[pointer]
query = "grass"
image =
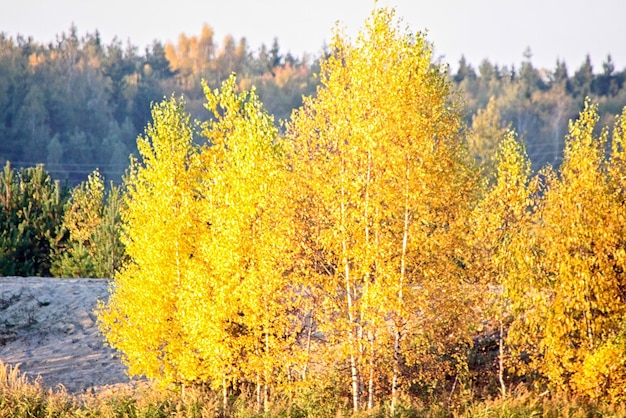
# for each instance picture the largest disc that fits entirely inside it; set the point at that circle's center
(20, 397)
(525, 404)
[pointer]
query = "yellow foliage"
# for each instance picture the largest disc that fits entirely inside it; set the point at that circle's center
(602, 374)
(84, 214)
(205, 297)
(487, 132)
(499, 223)
(571, 303)
(360, 242)
(250, 236)
(143, 318)
(389, 186)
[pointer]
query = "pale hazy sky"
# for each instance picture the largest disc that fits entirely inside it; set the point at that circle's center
(499, 30)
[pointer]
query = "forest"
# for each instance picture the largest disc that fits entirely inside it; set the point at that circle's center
(359, 233)
(77, 105)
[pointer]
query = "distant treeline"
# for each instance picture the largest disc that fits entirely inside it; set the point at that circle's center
(77, 104)
(538, 103)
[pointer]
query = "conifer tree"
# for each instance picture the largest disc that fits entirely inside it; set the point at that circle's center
(31, 213)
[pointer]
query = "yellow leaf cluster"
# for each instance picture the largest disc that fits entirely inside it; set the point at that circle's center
(84, 213)
(204, 297)
(487, 132)
(363, 244)
(392, 184)
(567, 293)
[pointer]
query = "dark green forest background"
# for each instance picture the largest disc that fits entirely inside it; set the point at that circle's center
(77, 104)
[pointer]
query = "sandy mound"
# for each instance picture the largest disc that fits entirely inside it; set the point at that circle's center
(49, 328)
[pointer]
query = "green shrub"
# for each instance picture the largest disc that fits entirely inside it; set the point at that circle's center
(92, 222)
(31, 212)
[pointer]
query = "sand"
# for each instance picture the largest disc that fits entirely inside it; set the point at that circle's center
(49, 328)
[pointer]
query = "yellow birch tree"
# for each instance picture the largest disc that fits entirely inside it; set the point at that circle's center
(205, 296)
(499, 224)
(92, 219)
(146, 316)
(577, 282)
(249, 244)
(484, 139)
(379, 152)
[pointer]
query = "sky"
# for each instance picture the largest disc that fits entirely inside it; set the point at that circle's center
(497, 30)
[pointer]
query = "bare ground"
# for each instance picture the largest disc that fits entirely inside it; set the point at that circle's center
(49, 328)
